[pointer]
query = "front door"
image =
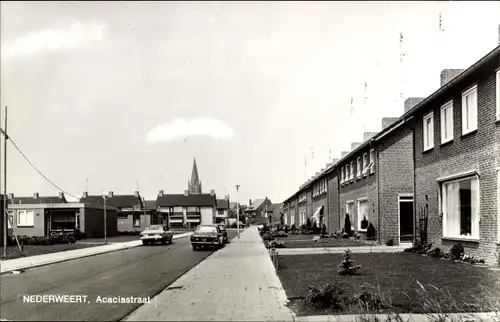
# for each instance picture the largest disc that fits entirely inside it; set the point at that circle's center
(406, 227)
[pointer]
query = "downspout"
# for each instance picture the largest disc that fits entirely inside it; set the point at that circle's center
(414, 186)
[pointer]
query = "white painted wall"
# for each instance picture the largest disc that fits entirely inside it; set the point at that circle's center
(207, 216)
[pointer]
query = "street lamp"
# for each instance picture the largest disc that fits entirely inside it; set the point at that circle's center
(105, 228)
(237, 211)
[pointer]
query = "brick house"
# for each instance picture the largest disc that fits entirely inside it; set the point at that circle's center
(255, 212)
(457, 158)
(130, 210)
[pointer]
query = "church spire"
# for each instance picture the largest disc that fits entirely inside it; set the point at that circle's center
(195, 184)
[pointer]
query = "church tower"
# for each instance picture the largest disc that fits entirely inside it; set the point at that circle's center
(194, 184)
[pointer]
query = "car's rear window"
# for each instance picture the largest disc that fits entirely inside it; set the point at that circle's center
(222, 227)
(206, 229)
(154, 227)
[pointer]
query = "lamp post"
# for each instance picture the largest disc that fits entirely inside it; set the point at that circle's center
(105, 220)
(237, 211)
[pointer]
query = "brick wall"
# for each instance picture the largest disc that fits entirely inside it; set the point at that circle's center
(395, 175)
(333, 203)
(477, 151)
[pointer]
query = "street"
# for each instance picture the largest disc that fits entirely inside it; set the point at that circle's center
(139, 272)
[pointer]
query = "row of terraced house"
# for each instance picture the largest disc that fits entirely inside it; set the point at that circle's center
(440, 159)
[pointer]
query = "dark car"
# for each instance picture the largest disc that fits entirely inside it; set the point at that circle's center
(224, 233)
(156, 233)
(207, 236)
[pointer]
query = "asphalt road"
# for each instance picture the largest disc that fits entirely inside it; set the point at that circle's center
(139, 272)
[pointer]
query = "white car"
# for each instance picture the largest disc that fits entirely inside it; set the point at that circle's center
(156, 233)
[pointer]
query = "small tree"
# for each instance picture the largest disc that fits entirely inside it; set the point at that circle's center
(347, 266)
(323, 230)
(308, 224)
(370, 232)
(364, 223)
(347, 225)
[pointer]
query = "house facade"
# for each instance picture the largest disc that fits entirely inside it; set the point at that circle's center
(222, 213)
(457, 159)
(131, 215)
(38, 216)
(255, 212)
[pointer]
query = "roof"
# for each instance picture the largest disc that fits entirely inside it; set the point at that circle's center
(39, 200)
(222, 203)
(256, 204)
(198, 200)
(275, 208)
(117, 201)
(150, 204)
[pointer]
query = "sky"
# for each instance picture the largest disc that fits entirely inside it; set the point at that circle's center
(111, 96)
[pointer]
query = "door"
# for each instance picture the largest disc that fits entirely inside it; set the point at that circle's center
(406, 222)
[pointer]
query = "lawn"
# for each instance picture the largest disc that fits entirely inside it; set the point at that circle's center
(446, 286)
(33, 250)
(306, 241)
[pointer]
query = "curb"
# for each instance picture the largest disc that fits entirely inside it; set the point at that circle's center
(408, 317)
(335, 250)
(126, 245)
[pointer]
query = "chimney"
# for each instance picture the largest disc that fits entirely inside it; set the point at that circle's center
(160, 193)
(344, 153)
(186, 192)
(35, 195)
(212, 192)
(110, 194)
(368, 135)
(136, 194)
(85, 194)
(249, 202)
(386, 121)
(354, 145)
(410, 102)
(61, 195)
(448, 74)
(11, 196)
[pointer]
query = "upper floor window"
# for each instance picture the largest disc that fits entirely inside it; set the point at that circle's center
(469, 110)
(351, 176)
(347, 172)
(372, 161)
(342, 175)
(447, 122)
(498, 95)
(365, 164)
(429, 131)
(358, 168)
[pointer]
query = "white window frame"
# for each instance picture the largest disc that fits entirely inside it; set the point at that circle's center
(474, 220)
(447, 127)
(428, 136)
(366, 164)
(351, 176)
(347, 173)
(358, 168)
(133, 220)
(498, 96)
(349, 204)
(10, 215)
(359, 219)
(372, 161)
(26, 222)
(469, 125)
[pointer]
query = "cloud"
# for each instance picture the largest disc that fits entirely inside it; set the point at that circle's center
(196, 127)
(76, 36)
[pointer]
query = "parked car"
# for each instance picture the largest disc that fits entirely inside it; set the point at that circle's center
(156, 233)
(207, 236)
(224, 233)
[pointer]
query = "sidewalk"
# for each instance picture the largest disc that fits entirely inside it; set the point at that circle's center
(339, 250)
(10, 265)
(236, 283)
(449, 317)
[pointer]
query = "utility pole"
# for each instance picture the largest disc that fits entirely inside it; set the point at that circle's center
(237, 211)
(105, 220)
(5, 206)
(144, 206)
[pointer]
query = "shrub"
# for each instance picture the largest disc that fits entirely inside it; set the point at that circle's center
(364, 223)
(308, 224)
(293, 228)
(323, 230)
(276, 244)
(347, 225)
(456, 251)
(286, 229)
(370, 232)
(315, 228)
(390, 242)
(328, 296)
(347, 265)
(435, 252)
(368, 299)
(345, 235)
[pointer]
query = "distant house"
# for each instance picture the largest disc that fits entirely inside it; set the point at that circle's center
(222, 213)
(233, 209)
(130, 209)
(38, 216)
(274, 213)
(187, 210)
(256, 210)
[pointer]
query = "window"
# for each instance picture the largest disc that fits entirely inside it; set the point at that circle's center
(362, 215)
(372, 161)
(349, 209)
(469, 110)
(25, 218)
(292, 218)
(366, 164)
(498, 95)
(302, 218)
(358, 168)
(220, 211)
(342, 175)
(460, 206)
(429, 131)
(351, 176)
(11, 218)
(498, 201)
(347, 173)
(137, 220)
(447, 122)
